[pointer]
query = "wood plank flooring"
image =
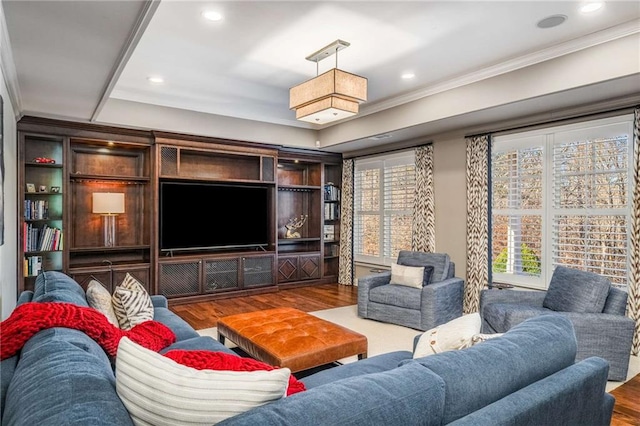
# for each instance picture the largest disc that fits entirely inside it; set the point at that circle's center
(201, 315)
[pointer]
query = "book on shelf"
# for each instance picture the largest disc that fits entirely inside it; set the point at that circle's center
(331, 211)
(331, 192)
(329, 232)
(44, 238)
(36, 209)
(32, 266)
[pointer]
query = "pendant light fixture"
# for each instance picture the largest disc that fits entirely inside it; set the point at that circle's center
(331, 96)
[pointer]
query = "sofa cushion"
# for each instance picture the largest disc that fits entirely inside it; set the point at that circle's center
(54, 286)
(439, 261)
(131, 303)
(375, 364)
(63, 378)
(157, 390)
(501, 317)
(410, 276)
(180, 327)
(397, 295)
(409, 395)
(455, 334)
(572, 290)
(99, 299)
(485, 373)
(200, 343)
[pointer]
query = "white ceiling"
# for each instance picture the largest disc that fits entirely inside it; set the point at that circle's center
(73, 57)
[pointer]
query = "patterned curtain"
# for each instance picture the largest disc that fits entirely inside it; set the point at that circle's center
(477, 220)
(345, 271)
(633, 302)
(423, 209)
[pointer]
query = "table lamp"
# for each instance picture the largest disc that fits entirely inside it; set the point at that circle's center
(109, 205)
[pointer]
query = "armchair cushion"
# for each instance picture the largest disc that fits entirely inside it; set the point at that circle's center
(439, 261)
(397, 295)
(411, 276)
(573, 290)
(503, 316)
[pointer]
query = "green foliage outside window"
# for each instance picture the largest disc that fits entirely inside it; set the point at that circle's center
(530, 261)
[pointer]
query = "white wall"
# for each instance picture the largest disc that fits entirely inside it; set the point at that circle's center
(9, 250)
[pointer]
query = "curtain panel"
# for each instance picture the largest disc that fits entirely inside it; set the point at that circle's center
(633, 302)
(345, 271)
(423, 237)
(477, 221)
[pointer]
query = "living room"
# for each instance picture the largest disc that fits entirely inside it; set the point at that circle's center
(575, 73)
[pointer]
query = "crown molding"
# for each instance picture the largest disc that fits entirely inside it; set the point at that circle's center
(572, 46)
(8, 67)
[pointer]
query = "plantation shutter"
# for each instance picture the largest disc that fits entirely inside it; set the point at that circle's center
(399, 193)
(590, 207)
(384, 191)
(517, 209)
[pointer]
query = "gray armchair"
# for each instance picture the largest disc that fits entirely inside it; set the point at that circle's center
(594, 307)
(424, 308)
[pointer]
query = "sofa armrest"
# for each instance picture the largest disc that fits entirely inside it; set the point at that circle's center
(365, 284)
(525, 297)
(25, 296)
(159, 301)
(441, 302)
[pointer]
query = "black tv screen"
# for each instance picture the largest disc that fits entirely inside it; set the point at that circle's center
(212, 216)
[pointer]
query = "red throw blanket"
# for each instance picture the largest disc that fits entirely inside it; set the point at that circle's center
(32, 317)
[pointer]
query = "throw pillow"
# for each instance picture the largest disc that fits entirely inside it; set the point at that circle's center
(455, 334)
(573, 290)
(131, 303)
(99, 299)
(407, 275)
(156, 390)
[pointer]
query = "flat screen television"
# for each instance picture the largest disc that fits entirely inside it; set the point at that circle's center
(198, 216)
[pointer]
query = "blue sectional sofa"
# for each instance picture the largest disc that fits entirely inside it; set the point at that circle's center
(528, 376)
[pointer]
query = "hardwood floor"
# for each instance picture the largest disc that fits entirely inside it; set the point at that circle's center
(316, 298)
(201, 315)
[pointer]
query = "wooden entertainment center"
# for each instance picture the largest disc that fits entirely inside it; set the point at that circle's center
(65, 163)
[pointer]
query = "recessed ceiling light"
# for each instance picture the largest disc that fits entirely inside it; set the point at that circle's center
(154, 79)
(408, 75)
(552, 21)
(211, 15)
(591, 7)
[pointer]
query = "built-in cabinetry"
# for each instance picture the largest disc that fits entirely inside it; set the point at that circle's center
(61, 168)
(305, 212)
(64, 168)
(197, 273)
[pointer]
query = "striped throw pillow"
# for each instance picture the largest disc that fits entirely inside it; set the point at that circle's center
(131, 303)
(156, 390)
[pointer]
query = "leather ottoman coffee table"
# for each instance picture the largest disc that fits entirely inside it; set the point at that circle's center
(287, 337)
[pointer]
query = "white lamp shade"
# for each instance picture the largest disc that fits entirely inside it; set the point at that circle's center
(108, 203)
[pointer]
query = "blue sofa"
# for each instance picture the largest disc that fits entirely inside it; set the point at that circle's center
(526, 377)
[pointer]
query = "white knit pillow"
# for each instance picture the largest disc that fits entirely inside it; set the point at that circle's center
(99, 299)
(410, 276)
(158, 391)
(131, 303)
(455, 334)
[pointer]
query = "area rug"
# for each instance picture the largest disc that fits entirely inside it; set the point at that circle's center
(383, 337)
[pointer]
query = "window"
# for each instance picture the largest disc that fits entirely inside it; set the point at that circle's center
(562, 196)
(384, 190)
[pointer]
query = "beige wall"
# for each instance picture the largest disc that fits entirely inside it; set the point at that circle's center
(9, 250)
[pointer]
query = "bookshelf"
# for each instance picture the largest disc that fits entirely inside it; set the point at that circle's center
(332, 196)
(41, 205)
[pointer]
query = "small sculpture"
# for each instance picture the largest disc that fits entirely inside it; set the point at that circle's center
(293, 224)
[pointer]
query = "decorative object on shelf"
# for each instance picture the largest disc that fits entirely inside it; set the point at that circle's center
(42, 188)
(31, 187)
(55, 189)
(330, 96)
(109, 205)
(294, 224)
(44, 160)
